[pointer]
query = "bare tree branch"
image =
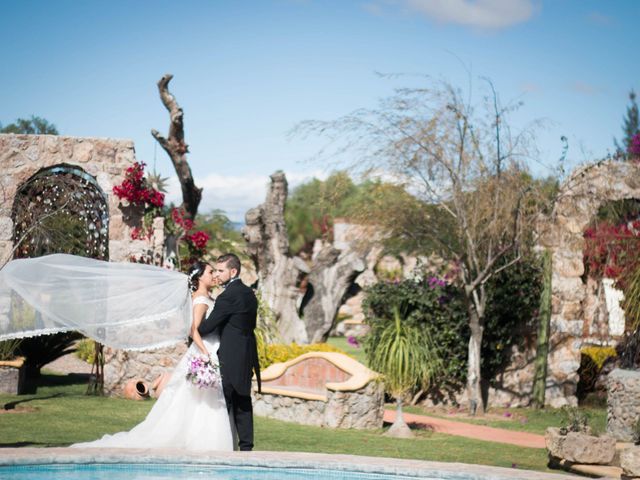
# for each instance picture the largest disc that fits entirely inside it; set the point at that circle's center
(177, 149)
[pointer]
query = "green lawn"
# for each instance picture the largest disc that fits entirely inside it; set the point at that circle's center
(521, 419)
(58, 413)
(345, 346)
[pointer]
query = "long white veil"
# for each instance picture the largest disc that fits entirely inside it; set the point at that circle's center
(128, 306)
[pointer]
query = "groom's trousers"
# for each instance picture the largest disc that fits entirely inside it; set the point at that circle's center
(241, 410)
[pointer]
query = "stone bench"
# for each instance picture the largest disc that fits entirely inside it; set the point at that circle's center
(325, 389)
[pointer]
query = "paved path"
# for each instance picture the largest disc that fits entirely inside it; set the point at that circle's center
(478, 432)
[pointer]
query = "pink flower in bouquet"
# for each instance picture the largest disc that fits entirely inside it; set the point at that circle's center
(202, 372)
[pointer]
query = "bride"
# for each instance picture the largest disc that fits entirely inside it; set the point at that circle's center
(185, 416)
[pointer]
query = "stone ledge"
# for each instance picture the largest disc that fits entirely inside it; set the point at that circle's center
(360, 375)
(596, 471)
(347, 463)
(292, 393)
(16, 362)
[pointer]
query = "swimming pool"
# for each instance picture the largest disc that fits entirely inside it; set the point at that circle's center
(192, 472)
(147, 464)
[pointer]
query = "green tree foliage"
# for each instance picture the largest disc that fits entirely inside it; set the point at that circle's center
(34, 125)
(223, 236)
(312, 207)
(630, 124)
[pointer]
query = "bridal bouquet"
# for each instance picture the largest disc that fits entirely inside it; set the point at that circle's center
(203, 372)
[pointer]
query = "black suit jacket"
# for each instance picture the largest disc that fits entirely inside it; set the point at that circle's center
(235, 314)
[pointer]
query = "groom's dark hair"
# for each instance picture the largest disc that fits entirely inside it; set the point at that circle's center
(230, 260)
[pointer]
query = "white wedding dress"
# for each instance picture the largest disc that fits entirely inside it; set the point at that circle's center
(184, 417)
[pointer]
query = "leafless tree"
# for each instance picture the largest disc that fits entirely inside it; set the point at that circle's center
(464, 159)
(177, 148)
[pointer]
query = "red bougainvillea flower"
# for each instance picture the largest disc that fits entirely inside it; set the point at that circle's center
(611, 250)
(199, 239)
(178, 217)
(135, 190)
(634, 145)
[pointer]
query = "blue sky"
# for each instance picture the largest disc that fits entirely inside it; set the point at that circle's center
(246, 72)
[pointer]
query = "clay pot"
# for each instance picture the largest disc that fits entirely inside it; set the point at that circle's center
(136, 389)
(160, 382)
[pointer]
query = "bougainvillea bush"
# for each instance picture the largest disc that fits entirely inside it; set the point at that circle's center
(634, 147)
(136, 190)
(437, 305)
(611, 251)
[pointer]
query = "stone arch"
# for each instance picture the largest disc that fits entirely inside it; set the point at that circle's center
(62, 194)
(105, 160)
(579, 200)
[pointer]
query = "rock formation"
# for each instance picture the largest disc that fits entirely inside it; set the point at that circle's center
(281, 275)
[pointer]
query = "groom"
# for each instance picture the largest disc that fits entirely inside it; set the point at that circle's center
(235, 314)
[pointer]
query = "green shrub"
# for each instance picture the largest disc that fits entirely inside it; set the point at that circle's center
(575, 420)
(279, 353)
(439, 310)
(435, 310)
(636, 432)
(404, 355)
(46, 348)
(86, 350)
(9, 348)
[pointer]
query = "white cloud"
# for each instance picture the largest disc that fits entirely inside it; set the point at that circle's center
(530, 87)
(235, 194)
(600, 19)
(489, 14)
(374, 9)
(584, 88)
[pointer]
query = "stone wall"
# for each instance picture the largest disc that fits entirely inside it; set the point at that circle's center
(121, 366)
(362, 409)
(623, 405)
(12, 376)
(562, 232)
(324, 389)
(105, 159)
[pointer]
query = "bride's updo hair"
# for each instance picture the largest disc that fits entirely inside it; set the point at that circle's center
(195, 272)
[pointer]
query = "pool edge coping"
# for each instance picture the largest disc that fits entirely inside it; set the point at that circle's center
(265, 459)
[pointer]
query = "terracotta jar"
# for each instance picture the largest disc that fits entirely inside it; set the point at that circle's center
(136, 389)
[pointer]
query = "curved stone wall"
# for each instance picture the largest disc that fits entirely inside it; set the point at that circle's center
(578, 202)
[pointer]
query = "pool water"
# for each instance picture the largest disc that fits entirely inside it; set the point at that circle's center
(123, 471)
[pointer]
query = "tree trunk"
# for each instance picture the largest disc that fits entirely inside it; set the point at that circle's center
(280, 275)
(177, 149)
(399, 429)
(268, 245)
(331, 275)
(474, 375)
(542, 348)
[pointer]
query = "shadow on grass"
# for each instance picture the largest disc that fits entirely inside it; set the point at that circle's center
(29, 444)
(13, 405)
(48, 380)
(413, 426)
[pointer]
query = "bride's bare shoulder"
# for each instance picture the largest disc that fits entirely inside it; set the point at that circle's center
(202, 299)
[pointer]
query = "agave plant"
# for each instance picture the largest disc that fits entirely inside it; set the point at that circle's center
(8, 349)
(406, 357)
(158, 182)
